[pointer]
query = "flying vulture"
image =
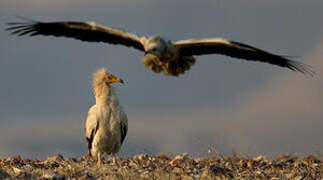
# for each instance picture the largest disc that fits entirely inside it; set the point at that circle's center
(161, 55)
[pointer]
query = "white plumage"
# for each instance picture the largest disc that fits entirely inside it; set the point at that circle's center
(106, 124)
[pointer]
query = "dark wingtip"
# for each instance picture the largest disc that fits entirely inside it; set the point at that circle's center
(301, 67)
(21, 28)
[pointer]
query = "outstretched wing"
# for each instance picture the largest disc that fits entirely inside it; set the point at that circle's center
(238, 50)
(84, 31)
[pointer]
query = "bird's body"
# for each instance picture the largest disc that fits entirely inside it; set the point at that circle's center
(161, 55)
(106, 124)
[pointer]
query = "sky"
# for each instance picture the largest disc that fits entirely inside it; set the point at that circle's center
(222, 103)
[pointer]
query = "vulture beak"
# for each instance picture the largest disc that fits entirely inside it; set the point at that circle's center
(116, 79)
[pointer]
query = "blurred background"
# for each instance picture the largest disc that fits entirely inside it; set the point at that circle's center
(222, 103)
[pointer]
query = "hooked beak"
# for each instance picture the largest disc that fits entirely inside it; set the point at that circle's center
(116, 79)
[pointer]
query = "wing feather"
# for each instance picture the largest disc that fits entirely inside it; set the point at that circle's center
(91, 127)
(84, 31)
(238, 50)
(123, 126)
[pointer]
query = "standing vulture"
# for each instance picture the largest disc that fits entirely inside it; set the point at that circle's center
(161, 55)
(106, 125)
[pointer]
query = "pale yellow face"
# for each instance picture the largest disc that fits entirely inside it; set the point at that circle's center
(109, 78)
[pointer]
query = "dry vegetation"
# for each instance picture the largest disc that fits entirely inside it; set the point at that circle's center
(164, 167)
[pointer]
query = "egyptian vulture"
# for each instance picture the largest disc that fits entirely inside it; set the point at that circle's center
(161, 55)
(106, 125)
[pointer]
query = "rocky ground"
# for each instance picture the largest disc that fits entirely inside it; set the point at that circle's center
(164, 167)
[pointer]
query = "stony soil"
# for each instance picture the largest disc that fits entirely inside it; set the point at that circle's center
(164, 167)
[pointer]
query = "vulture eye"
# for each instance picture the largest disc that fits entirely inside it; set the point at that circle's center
(109, 77)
